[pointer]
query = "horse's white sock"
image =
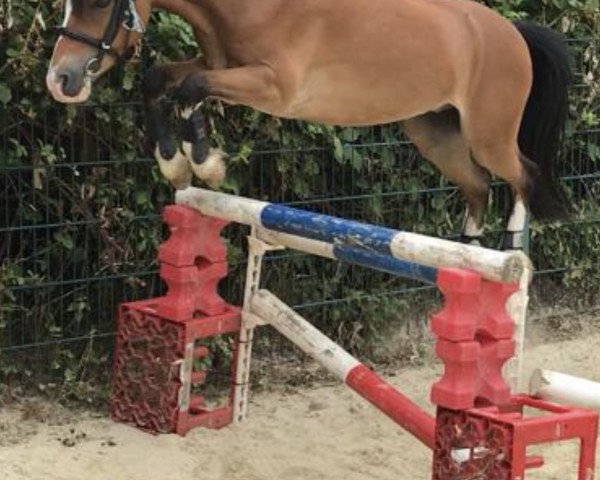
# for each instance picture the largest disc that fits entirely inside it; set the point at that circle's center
(213, 170)
(176, 170)
(515, 230)
(472, 231)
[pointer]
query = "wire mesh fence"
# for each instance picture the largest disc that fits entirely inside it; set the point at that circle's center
(80, 224)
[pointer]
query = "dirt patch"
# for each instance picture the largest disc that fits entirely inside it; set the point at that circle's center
(22, 419)
(323, 433)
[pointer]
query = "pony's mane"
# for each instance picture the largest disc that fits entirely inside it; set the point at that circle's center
(77, 6)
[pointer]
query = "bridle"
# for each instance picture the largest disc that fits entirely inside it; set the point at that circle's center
(124, 13)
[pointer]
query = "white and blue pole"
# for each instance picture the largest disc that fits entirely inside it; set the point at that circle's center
(351, 255)
(402, 253)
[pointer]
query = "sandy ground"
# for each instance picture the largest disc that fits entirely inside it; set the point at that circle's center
(326, 433)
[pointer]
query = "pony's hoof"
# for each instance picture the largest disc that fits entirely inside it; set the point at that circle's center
(213, 169)
(513, 242)
(166, 148)
(198, 151)
(176, 169)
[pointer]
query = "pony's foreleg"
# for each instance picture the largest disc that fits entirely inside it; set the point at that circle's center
(194, 141)
(208, 164)
(171, 159)
(253, 86)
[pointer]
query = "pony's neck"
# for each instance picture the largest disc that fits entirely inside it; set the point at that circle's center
(206, 19)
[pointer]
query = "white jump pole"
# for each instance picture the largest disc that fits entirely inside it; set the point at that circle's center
(411, 247)
(566, 389)
(344, 366)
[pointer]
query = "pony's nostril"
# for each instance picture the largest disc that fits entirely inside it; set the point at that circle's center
(70, 83)
(64, 80)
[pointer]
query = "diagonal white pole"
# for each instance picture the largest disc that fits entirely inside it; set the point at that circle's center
(344, 366)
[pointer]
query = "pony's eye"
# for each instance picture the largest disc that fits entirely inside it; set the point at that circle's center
(102, 3)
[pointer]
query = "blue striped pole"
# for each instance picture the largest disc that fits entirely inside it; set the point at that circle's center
(327, 229)
(351, 255)
(363, 243)
(385, 263)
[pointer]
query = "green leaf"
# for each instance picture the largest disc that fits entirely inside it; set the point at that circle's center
(65, 240)
(141, 197)
(338, 149)
(5, 94)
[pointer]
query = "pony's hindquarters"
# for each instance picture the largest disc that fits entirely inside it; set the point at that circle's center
(491, 97)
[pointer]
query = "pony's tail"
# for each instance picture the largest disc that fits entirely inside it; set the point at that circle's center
(544, 120)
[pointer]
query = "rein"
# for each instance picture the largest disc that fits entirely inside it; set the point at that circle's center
(124, 13)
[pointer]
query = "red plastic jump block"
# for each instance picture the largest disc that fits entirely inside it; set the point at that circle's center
(473, 307)
(193, 262)
(491, 443)
(474, 334)
(473, 372)
(156, 377)
(192, 235)
(192, 289)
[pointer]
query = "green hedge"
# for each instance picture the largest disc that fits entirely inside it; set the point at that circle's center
(79, 199)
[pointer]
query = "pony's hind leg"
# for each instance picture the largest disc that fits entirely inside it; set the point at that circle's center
(439, 139)
(516, 227)
(494, 146)
(492, 110)
(502, 158)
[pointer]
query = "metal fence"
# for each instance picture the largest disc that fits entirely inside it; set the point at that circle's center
(78, 231)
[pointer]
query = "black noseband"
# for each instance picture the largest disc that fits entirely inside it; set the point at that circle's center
(123, 13)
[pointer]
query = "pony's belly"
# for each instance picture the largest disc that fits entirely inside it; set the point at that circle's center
(352, 101)
(331, 114)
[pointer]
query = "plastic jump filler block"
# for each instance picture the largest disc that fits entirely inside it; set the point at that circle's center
(474, 340)
(490, 443)
(482, 431)
(162, 349)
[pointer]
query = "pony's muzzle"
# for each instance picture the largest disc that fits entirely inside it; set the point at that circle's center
(68, 86)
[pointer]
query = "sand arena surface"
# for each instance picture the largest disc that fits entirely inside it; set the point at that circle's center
(326, 433)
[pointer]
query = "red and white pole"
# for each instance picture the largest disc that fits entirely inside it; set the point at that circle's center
(344, 366)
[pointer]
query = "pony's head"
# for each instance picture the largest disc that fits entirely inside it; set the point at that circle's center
(95, 36)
